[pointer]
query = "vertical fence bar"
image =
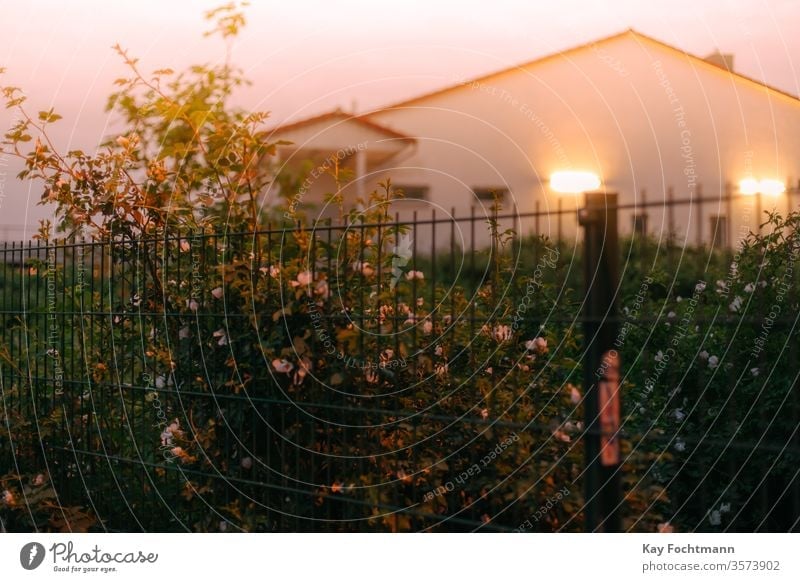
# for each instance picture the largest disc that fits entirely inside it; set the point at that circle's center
(559, 221)
(644, 214)
(699, 200)
(794, 484)
(729, 213)
(601, 362)
(758, 212)
(671, 215)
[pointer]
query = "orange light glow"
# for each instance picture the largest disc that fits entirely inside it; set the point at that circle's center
(574, 182)
(767, 186)
(748, 186)
(772, 187)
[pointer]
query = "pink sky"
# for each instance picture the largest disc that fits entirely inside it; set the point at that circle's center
(306, 56)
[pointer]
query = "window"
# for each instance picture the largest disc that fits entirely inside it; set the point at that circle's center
(488, 194)
(639, 224)
(414, 192)
(719, 231)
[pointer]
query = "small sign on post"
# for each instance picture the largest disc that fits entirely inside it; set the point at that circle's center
(609, 405)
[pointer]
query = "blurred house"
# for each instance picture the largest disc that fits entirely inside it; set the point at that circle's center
(626, 114)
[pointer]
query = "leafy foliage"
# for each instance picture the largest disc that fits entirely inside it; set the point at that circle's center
(187, 159)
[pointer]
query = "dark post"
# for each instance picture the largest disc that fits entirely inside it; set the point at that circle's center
(602, 402)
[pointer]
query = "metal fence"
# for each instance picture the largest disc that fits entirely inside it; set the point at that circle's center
(336, 377)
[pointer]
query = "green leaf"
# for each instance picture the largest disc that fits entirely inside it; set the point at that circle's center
(49, 116)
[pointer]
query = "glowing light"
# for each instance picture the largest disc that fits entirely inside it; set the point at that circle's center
(770, 187)
(748, 186)
(573, 182)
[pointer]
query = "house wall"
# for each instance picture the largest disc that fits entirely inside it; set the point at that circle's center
(641, 115)
(312, 150)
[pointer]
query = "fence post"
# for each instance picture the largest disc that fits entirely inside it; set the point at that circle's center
(602, 402)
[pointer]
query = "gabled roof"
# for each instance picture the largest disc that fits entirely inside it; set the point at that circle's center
(643, 38)
(338, 114)
(714, 67)
(560, 54)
